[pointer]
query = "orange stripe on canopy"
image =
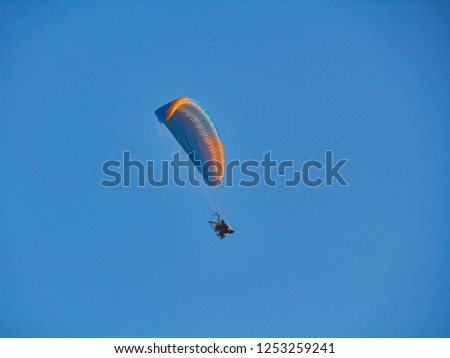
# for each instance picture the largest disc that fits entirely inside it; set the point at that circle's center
(174, 106)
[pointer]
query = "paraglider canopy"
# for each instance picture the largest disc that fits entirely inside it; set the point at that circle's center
(193, 128)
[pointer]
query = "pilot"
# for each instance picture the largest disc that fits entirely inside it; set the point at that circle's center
(222, 228)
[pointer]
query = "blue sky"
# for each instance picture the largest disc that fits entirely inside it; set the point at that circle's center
(79, 84)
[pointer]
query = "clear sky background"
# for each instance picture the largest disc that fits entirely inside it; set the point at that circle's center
(79, 82)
